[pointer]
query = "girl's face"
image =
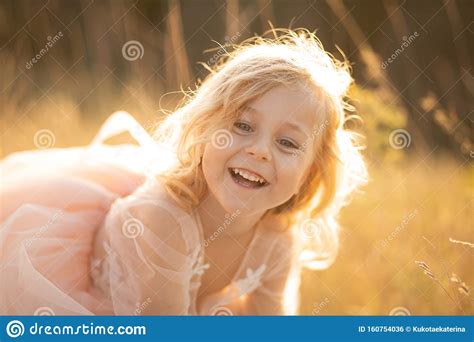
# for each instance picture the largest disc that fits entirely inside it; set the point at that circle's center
(270, 142)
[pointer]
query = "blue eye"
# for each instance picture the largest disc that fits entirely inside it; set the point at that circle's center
(248, 129)
(287, 143)
(243, 126)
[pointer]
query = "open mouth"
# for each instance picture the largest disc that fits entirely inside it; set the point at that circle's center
(246, 180)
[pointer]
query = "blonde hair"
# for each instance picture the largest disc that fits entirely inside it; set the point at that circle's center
(291, 57)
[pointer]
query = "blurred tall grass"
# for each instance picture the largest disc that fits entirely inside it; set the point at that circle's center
(407, 213)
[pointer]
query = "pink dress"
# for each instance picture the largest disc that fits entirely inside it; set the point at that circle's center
(58, 204)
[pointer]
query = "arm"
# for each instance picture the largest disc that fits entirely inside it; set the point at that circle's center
(268, 298)
(152, 257)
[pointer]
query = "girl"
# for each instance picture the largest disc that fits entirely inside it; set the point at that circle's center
(240, 187)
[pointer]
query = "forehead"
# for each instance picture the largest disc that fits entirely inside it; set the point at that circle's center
(284, 105)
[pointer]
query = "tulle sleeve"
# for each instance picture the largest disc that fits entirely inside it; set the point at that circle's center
(149, 268)
(269, 298)
(281, 272)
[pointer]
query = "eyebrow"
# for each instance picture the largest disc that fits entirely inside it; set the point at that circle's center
(295, 126)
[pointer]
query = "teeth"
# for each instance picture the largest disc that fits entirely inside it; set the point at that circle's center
(249, 176)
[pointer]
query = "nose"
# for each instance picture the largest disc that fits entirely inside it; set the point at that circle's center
(259, 149)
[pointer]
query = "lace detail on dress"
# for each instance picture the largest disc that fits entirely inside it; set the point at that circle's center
(197, 262)
(102, 271)
(238, 288)
(96, 273)
(251, 281)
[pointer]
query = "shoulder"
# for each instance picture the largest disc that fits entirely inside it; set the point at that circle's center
(148, 214)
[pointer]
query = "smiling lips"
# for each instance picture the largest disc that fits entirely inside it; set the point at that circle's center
(247, 178)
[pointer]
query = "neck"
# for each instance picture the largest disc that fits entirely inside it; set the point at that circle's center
(216, 220)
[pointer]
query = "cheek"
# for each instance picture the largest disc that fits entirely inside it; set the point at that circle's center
(289, 174)
(293, 171)
(214, 161)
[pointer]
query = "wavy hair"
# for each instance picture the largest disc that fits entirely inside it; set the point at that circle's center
(290, 57)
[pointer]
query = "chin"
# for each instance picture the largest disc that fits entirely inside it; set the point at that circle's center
(233, 205)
